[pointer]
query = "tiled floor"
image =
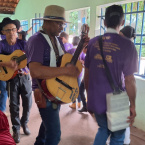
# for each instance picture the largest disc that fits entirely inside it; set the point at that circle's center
(77, 129)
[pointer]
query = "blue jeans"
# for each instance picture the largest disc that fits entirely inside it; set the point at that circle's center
(3, 96)
(49, 132)
(79, 97)
(116, 138)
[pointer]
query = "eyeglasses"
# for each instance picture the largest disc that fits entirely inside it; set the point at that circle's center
(60, 24)
(9, 30)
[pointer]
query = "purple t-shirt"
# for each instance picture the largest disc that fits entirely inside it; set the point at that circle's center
(121, 57)
(7, 49)
(3, 37)
(68, 46)
(38, 50)
(35, 50)
(81, 57)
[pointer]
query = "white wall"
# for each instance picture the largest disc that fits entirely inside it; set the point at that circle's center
(140, 104)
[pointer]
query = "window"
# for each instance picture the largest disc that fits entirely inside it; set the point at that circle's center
(24, 25)
(36, 23)
(77, 18)
(135, 17)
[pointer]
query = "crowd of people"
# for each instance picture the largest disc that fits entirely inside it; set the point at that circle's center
(43, 51)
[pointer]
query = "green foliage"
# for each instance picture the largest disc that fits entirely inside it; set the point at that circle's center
(88, 17)
(73, 18)
(139, 19)
(73, 26)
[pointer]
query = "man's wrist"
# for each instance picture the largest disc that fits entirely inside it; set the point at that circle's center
(132, 105)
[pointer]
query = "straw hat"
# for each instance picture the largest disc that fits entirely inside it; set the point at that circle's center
(54, 13)
(7, 21)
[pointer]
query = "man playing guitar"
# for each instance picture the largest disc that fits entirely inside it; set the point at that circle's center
(43, 49)
(21, 83)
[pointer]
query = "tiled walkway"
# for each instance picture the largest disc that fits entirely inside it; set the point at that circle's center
(77, 129)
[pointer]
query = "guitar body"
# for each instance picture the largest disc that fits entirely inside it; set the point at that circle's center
(7, 73)
(64, 88)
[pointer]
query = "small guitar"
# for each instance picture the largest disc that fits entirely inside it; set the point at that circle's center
(7, 73)
(65, 88)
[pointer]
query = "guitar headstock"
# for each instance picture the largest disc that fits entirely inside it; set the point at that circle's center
(85, 30)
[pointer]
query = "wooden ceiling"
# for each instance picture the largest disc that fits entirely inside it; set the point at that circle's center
(8, 6)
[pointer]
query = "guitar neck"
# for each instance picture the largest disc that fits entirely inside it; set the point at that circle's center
(77, 52)
(21, 58)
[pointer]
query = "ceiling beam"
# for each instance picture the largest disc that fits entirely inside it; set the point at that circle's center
(8, 6)
(12, 5)
(10, 1)
(7, 10)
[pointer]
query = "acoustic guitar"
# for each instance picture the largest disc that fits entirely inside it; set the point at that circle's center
(7, 73)
(65, 89)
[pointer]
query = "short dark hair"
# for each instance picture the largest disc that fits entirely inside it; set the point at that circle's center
(128, 31)
(65, 35)
(114, 16)
(76, 40)
(23, 33)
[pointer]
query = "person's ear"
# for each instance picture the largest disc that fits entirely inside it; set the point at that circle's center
(3, 32)
(123, 21)
(105, 23)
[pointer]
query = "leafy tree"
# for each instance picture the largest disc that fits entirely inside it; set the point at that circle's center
(73, 18)
(73, 26)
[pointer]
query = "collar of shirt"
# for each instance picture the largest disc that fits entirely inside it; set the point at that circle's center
(111, 30)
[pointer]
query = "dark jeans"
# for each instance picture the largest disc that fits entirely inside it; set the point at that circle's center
(20, 85)
(3, 96)
(49, 132)
(82, 94)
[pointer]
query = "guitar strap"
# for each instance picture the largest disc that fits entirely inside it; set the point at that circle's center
(55, 48)
(115, 88)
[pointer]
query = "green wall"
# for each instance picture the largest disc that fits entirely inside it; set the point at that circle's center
(26, 9)
(3, 16)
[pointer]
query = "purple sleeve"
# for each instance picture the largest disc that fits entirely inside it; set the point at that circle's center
(83, 56)
(35, 50)
(68, 51)
(71, 46)
(131, 62)
(71, 51)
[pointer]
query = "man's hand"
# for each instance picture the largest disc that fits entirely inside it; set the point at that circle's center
(12, 64)
(132, 115)
(85, 30)
(87, 39)
(82, 62)
(72, 70)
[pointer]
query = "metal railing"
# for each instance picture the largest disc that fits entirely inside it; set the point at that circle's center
(140, 43)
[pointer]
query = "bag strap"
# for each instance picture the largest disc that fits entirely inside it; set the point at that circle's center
(39, 86)
(116, 89)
